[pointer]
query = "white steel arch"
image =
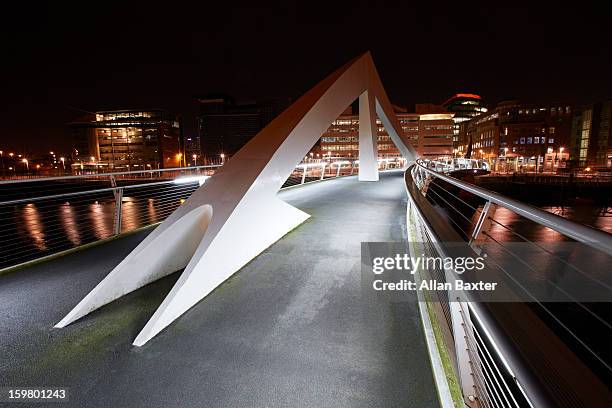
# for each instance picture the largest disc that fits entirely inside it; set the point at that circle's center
(236, 214)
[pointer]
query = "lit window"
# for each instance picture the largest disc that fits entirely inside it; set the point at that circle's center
(551, 129)
(551, 140)
(529, 140)
(536, 140)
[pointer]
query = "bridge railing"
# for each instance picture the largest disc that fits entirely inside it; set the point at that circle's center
(46, 216)
(491, 369)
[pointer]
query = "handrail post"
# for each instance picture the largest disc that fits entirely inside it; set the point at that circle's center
(481, 219)
(113, 181)
(304, 169)
(323, 171)
(118, 203)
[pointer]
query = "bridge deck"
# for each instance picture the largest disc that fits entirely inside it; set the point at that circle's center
(292, 328)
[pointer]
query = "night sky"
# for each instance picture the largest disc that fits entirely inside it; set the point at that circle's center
(87, 56)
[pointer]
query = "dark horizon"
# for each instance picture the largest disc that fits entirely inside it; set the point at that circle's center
(63, 59)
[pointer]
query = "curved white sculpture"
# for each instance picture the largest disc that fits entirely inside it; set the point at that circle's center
(236, 214)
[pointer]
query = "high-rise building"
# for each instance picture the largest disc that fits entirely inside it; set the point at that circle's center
(464, 106)
(129, 139)
(590, 138)
(224, 126)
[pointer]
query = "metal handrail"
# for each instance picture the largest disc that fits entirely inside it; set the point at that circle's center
(478, 396)
(78, 193)
(494, 320)
(119, 173)
(592, 237)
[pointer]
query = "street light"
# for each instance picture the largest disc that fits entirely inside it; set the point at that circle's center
(195, 159)
(63, 160)
(25, 161)
(222, 158)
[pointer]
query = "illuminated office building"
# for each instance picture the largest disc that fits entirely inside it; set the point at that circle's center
(430, 134)
(129, 139)
(535, 137)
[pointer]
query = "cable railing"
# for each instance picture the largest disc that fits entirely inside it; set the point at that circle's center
(48, 216)
(491, 368)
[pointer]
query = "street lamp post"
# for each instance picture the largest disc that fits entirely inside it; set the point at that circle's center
(25, 161)
(195, 160)
(63, 160)
(222, 158)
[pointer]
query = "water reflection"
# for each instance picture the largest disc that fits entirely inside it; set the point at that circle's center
(101, 228)
(129, 213)
(34, 226)
(151, 210)
(68, 218)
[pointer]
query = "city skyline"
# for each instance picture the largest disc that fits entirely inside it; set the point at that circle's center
(70, 61)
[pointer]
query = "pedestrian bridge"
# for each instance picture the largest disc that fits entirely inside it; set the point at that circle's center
(297, 326)
(291, 329)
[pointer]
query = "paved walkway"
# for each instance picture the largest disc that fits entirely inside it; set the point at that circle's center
(291, 329)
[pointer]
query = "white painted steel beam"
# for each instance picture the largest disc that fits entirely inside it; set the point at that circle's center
(236, 214)
(368, 146)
